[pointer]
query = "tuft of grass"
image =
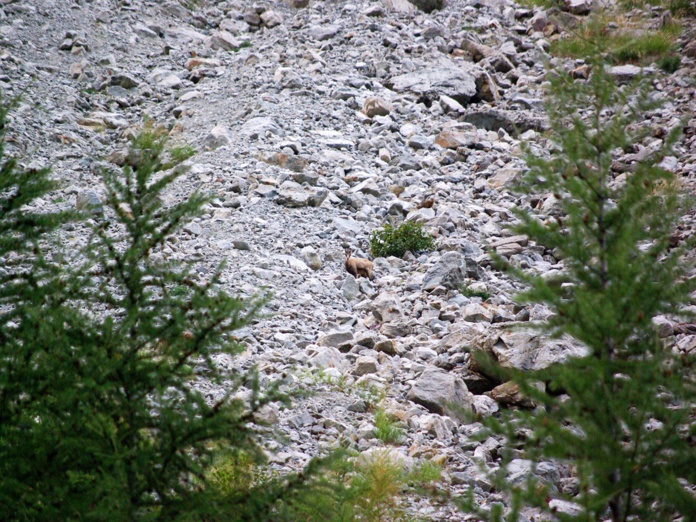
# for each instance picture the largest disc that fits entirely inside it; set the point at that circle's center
(623, 45)
(396, 241)
(466, 291)
(682, 8)
(424, 474)
(371, 394)
(544, 4)
(181, 153)
(387, 428)
(669, 63)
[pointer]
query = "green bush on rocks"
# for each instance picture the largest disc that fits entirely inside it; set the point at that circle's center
(396, 241)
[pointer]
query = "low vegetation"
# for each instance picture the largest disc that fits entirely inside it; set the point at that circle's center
(396, 241)
(468, 291)
(387, 429)
(621, 41)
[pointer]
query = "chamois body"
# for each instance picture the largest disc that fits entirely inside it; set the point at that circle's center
(358, 267)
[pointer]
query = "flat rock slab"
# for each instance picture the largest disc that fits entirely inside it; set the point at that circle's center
(458, 80)
(627, 73)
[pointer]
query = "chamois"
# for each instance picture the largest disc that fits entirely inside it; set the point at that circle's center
(358, 267)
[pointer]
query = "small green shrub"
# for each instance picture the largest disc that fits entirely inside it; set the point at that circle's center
(396, 241)
(387, 429)
(466, 291)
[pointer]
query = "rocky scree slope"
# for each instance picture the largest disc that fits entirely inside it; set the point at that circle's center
(313, 125)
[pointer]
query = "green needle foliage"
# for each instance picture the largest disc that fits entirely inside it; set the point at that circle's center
(622, 416)
(100, 418)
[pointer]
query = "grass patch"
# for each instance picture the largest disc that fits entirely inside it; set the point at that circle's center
(669, 63)
(624, 44)
(467, 291)
(424, 474)
(181, 153)
(396, 241)
(544, 4)
(685, 8)
(387, 428)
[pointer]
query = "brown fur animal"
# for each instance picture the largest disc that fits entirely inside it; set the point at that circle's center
(358, 267)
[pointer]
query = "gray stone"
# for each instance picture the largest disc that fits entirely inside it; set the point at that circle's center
(323, 32)
(124, 80)
(474, 312)
(170, 81)
(526, 349)
(224, 40)
(627, 73)
(256, 127)
(301, 420)
(449, 271)
(365, 364)
(450, 104)
(376, 107)
(440, 427)
(311, 257)
(512, 122)
(485, 406)
(400, 6)
(271, 18)
(217, 137)
(579, 7)
(193, 228)
(329, 357)
(387, 346)
(395, 329)
(442, 393)
(335, 339)
(350, 288)
(387, 307)
(428, 6)
(456, 79)
(89, 200)
(240, 244)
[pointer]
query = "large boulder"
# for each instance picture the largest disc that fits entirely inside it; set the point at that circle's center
(387, 307)
(441, 392)
(527, 349)
(457, 79)
(449, 271)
